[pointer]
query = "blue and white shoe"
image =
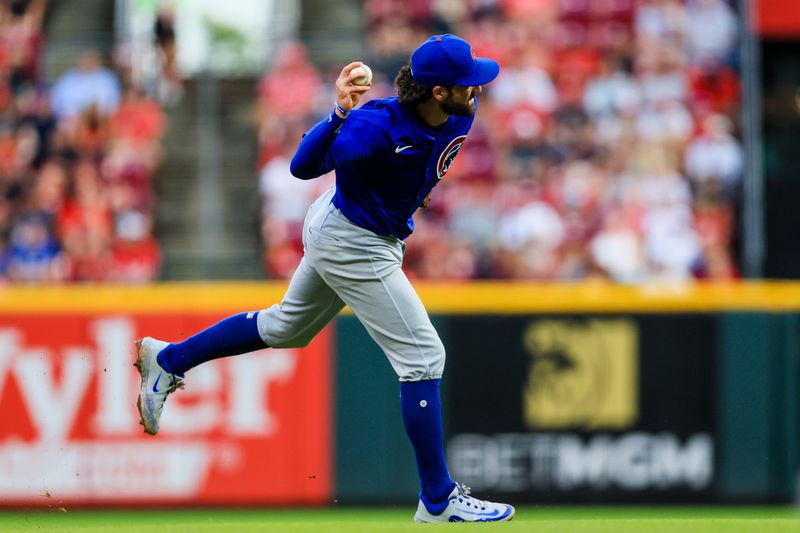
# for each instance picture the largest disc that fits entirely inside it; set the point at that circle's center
(461, 507)
(156, 385)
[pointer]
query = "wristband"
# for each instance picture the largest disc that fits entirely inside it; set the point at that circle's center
(341, 110)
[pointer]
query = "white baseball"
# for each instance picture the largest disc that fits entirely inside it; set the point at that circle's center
(364, 74)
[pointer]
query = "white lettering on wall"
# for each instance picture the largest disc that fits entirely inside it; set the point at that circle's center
(632, 461)
(117, 378)
(248, 408)
(9, 341)
(51, 405)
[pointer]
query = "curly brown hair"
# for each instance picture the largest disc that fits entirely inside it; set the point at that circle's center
(409, 92)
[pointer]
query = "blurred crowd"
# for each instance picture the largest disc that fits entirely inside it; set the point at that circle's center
(76, 160)
(607, 148)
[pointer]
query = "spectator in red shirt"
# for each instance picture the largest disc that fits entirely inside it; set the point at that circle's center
(135, 254)
(138, 118)
(292, 69)
(85, 225)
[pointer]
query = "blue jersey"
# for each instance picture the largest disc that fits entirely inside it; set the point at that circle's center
(387, 160)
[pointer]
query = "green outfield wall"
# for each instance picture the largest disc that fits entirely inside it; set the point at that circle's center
(642, 404)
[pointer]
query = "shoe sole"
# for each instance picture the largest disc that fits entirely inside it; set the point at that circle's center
(142, 368)
(419, 520)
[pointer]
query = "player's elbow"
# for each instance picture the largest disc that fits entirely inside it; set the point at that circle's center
(301, 170)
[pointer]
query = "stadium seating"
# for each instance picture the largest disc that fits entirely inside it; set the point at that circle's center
(606, 149)
(77, 155)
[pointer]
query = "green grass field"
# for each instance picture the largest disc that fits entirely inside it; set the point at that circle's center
(358, 520)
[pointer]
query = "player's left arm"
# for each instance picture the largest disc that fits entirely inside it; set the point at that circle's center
(320, 151)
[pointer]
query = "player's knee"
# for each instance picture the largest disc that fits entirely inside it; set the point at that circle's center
(285, 338)
(279, 330)
(295, 342)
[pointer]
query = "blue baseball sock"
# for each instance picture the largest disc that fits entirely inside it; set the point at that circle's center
(422, 417)
(234, 335)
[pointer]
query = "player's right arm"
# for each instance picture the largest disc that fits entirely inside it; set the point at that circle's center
(313, 157)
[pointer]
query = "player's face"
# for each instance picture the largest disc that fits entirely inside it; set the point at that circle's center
(460, 100)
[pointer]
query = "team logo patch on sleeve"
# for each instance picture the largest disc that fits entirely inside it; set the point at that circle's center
(448, 156)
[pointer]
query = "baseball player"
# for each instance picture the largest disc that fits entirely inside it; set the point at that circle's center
(388, 155)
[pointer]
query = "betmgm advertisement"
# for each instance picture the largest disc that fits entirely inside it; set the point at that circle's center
(583, 409)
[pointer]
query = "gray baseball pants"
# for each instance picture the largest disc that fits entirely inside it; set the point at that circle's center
(345, 264)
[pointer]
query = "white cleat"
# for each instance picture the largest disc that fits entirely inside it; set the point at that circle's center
(156, 385)
(461, 507)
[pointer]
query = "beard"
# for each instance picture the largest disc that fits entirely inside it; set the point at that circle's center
(451, 107)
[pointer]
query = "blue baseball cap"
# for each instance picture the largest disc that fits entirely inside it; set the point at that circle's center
(449, 60)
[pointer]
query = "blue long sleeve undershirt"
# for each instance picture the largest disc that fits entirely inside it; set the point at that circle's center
(319, 152)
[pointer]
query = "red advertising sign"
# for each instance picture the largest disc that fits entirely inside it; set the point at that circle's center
(250, 429)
